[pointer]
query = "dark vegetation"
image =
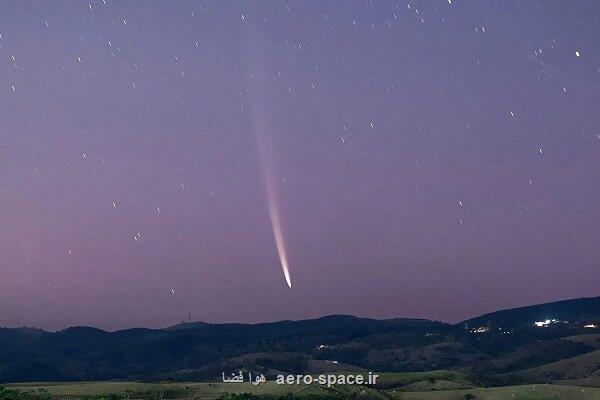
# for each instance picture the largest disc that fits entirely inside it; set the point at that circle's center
(288, 396)
(13, 394)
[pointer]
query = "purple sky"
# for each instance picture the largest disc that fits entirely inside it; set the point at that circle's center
(432, 159)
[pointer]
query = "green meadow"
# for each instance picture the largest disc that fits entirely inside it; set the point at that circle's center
(434, 385)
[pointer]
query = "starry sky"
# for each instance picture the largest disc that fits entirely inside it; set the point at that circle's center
(434, 159)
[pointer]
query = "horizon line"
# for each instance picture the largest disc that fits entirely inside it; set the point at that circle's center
(182, 322)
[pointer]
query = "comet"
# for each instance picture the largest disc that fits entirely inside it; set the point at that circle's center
(266, 154)
(272, 197)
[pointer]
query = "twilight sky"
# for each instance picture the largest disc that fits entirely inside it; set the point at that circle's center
(434, 159)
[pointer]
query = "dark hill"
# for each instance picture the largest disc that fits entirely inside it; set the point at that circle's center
(575, 311)
(199, 351)
(83, 353)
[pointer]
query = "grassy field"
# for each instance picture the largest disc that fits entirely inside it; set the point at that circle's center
(566, 369)
(207, 390)
(408, 386)
(392, 380)
(524, 392)
(179, 390)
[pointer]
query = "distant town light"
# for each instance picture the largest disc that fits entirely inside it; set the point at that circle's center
(590, 326)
